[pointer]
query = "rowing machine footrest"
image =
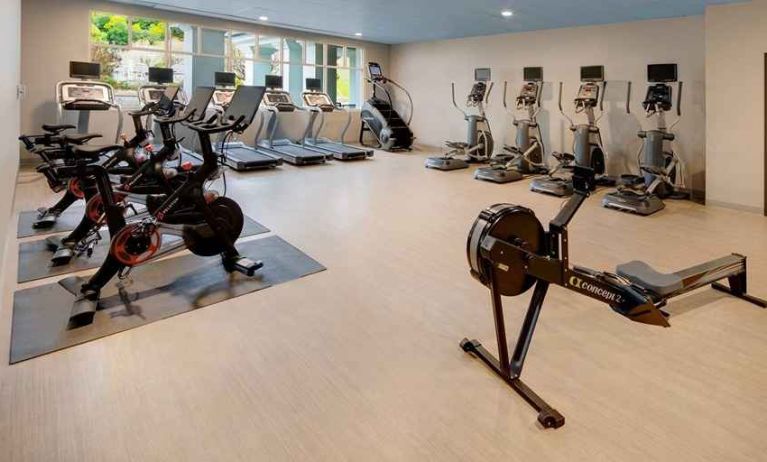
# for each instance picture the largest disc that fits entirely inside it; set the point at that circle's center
(643, 275)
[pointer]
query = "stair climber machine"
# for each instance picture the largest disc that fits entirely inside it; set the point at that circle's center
(526, 157)
(588, 149)
(379, 117)
(84, 95)
(151, 172)
(659, 166)
(478, 146)
(509, 252)
(277, 100)
(319, 103)
(208, 224)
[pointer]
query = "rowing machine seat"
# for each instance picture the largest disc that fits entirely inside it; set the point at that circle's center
(643, 275)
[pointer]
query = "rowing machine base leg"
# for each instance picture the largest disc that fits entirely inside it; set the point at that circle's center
(737, 288)
(547, 415)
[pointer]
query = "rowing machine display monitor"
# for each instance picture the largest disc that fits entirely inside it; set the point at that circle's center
(661, 73)
(83, 70)
(273, 81)
(592, 74)
(314, 84)
(482, 74)
(160, 75)
(225, 79)
(533, 74)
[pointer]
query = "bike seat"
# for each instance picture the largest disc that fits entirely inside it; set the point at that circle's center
(55, 129)
(80, 138)
(91, 150)
(643, 275)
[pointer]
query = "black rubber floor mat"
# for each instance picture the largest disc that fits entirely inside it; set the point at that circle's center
(35, 256)
(156, 291)
(67, 221)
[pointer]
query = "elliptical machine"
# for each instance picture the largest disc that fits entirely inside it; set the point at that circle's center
(659, 166)
(588, 149)
(379, 117)
(208, 224)
(526, 157)
(478, 146)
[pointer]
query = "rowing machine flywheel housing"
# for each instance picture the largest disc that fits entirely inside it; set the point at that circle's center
(513, 224)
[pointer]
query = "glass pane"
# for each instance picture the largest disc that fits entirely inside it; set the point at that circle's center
(312, 72)
(148, 33)
(182, 38)
(314, 53)
(204, 69)
(261, 70)
(243, 45)
(126, 69)
(356, 87)
(293, 51)
(213, 42)
(182, 72)
(335, 55)
(109, 29)
(354, 57)
(269, 49)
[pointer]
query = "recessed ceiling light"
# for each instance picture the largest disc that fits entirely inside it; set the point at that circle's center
(507, 13)
(358, 34)
(263, 18)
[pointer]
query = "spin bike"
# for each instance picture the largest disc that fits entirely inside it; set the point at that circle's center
(137, 170)
(526, 157)
(478, 146)
(659, 166)
(208, 224)
(510, 253)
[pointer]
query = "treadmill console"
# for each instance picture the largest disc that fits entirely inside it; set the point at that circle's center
(319, 100)
(279, 99)
(85, 96)
(222, 97)
(153, 93)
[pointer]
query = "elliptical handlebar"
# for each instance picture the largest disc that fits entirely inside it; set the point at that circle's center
(678, 106)
(452, 86)
(561, 109)
(628, 98)
(489, 90)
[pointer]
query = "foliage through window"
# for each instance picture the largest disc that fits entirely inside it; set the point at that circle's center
(128, 46)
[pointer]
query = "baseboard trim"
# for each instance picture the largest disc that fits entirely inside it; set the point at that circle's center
(741, 207)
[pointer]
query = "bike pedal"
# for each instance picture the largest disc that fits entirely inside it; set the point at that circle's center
(247, 266)
(62, 256)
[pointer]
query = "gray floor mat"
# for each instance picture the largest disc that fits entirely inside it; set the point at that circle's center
(67, 222)
(35, 257)
(156, 291)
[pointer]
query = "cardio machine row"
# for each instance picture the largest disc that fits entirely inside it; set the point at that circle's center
(659, 175)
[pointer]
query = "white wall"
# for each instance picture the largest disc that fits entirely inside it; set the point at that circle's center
(48, 45)
(736, 41)
(10, 20)
(427, 69)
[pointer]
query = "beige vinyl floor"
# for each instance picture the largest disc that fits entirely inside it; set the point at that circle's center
(361, 362)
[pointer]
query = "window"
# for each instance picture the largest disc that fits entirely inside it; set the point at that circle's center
(128, 46)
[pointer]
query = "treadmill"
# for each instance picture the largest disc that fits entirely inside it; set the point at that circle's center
(85, 95)
(277, 100)
(319, 103)
(235, 154)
